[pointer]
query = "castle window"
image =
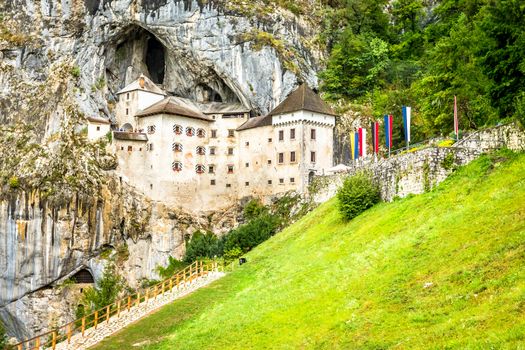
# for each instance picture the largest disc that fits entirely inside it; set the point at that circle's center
(230, 151)
(292, 134)
(176, 166)
(140, 149)
(231, 133)
(312, 134)
(177, 129)
(214, 134)
(269, 161)
(151, 129)
(247, 143)
(246, 183)
(228, 185)
(230, 169)
(200, 150)
(127, 96)
(312, 157)
(201, 133)
(212, 151)
(292, 180)
(292, 157)
(281, 158)
(176, 147)
(211, 169)
(127, 111)
(190, 131)
(270, 140)
(247, 165)
(149, 147)
(121, 148)
(281, 135)
(212, 182)
(98, 128)
(200, 169)
(281, 181)
(269, 182)
(130, 148)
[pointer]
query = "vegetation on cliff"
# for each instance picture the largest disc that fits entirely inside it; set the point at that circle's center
(438, 270)
(385, 54)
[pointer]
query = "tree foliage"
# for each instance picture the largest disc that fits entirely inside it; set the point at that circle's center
(428, 53)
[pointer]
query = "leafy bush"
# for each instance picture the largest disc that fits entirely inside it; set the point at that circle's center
(173, 267)
(252, 234)
(253, 209)
(232, 254)
(104, 293)
(3, 337)
(357, 194)
(202, 245)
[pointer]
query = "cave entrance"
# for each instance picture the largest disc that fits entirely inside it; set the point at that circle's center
(83, 276)
(155, 60)
(207, 94)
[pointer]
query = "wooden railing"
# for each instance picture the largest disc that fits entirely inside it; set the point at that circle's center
(64, 333)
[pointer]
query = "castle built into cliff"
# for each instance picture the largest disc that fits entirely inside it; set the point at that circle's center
(209, 155)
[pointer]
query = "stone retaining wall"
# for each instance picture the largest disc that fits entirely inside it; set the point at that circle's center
(421, 170)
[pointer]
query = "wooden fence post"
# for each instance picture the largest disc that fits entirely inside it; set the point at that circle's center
(83, 325)
(107, 313)
(162, 287)
(37, 343)
(155, 292)
(54, 340)
(138, 298)
(129, 302)
(20, 347)
(146, 296)
(69, 333)
(118, 308)
(96, 319)
(171, 284)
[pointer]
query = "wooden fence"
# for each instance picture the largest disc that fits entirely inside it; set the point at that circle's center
(49, 340)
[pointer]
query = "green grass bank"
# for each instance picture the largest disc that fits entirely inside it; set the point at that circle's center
(445, 269)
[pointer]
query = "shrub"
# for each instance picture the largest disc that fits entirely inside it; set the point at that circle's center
(232, 254)
(357, 194)
(253, 209)
(104, 293)
(446, 143)
(202, 245)
(172, 268)
(252, 234)
(3, 337)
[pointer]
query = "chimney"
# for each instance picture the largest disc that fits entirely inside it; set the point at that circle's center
(141, 82)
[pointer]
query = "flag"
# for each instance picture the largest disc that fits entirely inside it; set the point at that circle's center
(456, 122)
(356, 145)
(352, 146)
(389, 120)
(363, 142)
(360, 141)
(407, 111)
(374, 126)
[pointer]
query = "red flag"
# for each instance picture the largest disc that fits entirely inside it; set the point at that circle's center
(391, 122)
(360, 131)
(376, 137)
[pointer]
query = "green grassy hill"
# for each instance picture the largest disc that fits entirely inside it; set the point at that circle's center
(445, 269)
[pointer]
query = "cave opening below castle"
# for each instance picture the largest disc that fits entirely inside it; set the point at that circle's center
(155, 60)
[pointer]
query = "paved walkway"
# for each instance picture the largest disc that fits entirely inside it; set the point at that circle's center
(105, 329)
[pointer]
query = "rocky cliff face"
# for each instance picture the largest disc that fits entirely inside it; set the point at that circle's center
(204, 50)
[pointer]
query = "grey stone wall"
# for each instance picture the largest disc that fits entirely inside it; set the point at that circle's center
(419, 171)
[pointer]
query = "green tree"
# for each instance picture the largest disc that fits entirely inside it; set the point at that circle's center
(452, 68)
(202, 245)
(104, 293)
(172, 268)
(503, 53)
(3, 337)
(357, 65)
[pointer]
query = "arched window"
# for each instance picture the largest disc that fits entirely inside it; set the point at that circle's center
(190, 131)
(200, 169)
(176, 166)
(176, 147)
(151, 129)
(201, 150)
(177, 129)
(201, 133)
